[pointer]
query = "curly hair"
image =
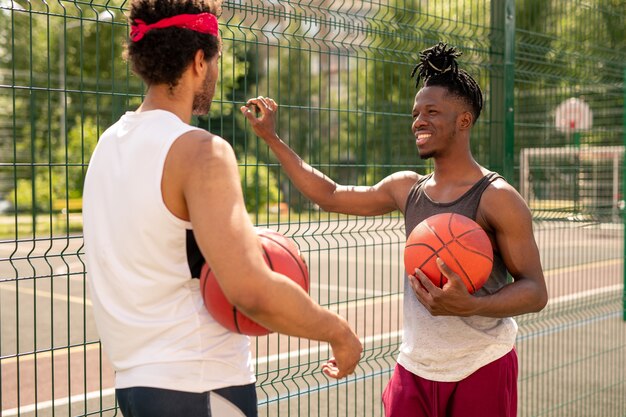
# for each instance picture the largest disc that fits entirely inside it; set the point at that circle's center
(162, 56)
(438, 67)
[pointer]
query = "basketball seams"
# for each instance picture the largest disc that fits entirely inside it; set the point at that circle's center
(438, 253)
(435, 234)
(475, 252)
(204, 281)
(267, 256)
(236, 312)
(236, 319)
(472, 250)
(298, 261)
(434, 251)
(275, 255)
(464, 274)
(463, 236)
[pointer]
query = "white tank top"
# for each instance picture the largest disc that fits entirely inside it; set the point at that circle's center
(450, 348)
(148, 309)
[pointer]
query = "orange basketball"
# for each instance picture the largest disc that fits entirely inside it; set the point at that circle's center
(459, 241)
(282, 256)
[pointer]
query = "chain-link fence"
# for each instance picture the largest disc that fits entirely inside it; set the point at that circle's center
(340, 71)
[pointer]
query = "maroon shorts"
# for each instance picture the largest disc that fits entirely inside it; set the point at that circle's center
(491, 391)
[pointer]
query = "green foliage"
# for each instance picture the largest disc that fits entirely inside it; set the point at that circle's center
(65, 61)
(563, 50)
(341, 79)
(259, 184)
(62, 179)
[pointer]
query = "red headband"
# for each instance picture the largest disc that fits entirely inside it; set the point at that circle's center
(203, 23)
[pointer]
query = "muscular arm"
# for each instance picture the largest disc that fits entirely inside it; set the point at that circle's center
(386, 196)
(506, 212)
(210, 196)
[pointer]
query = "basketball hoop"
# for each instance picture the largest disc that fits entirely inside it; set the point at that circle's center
(573, 115)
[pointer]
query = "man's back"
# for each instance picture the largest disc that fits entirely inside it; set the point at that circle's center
(147, 305)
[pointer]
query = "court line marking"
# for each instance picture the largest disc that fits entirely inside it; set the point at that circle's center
(111, 391)
(385, 298)
(585, 294)
(322, 349)
(288, 355)
(589, 265)
(345, 305)
(48, 354)
(59, 402)
(44, 293)
(353, 290)
(325, 348)
(566, 326)
(78, 267)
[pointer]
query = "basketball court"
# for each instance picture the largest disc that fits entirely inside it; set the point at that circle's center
(356, 270)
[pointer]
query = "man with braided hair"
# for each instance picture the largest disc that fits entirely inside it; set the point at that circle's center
(161, 196)
(457, 357)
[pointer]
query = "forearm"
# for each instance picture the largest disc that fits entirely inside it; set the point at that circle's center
(316, 186)
(520, 297)
(296, 314)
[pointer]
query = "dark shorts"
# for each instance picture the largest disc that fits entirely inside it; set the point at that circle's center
(491, 391)
(239, 401)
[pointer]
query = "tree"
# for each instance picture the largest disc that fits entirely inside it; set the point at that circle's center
(64, 61)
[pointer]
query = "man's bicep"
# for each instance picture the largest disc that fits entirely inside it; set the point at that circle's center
(515, 237)
(387, 195)
(217, 212)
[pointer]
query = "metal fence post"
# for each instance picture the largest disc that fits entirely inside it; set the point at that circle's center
(509, 87)
(502, 84)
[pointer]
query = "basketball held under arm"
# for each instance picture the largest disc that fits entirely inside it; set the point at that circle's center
(227, 239)
(508, 215)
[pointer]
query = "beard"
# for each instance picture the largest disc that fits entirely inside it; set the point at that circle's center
(203, 99)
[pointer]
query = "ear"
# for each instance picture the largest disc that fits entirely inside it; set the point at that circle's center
(199, 64)
(466, 120)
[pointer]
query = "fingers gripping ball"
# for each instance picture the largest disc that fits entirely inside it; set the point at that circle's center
(459, 241)
(282, 256)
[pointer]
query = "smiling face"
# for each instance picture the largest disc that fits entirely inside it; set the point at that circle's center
(438, 119)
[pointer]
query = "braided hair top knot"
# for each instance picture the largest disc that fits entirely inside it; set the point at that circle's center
(436, 60)
(438, 67)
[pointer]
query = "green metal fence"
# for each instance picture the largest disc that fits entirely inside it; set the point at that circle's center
(340, 72)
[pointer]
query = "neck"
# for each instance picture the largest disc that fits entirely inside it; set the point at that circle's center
(458, 168)
(178, 100)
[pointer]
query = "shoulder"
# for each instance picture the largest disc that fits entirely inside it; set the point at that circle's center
(198, 157)
(403, 178)
(399, 182)
(502, 205)
(499, 188)
(399, 185)
(199, 147)
(199, 140)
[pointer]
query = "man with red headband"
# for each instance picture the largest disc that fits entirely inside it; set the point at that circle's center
(162, 196)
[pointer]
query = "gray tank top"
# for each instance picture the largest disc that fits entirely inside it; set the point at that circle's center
(419, 207)
(450, 348)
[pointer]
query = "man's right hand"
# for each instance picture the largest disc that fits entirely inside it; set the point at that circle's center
(261, 114)
(347, 351)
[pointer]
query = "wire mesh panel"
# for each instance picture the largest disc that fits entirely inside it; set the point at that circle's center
(570, 144)
(340, 71)
(59, 71)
